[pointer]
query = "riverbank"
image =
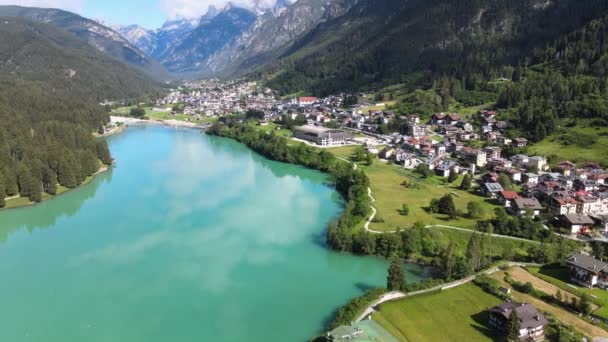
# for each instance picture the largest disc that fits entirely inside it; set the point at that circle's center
(16, 202)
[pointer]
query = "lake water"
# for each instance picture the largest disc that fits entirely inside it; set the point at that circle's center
(188, 238)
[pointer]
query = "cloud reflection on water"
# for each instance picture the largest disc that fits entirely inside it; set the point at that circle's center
(222, 210)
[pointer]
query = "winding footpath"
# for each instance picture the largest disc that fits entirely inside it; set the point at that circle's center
(394, 295)
(375, 212)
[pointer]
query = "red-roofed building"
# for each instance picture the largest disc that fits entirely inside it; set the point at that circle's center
(562, 205)
(307, 100)
(506, 197)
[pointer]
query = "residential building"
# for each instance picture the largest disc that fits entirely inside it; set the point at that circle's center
(587, 271)
(577, 223)
(531, 322)
(523, 206)
(520, 142)
(492, 189)
(447, 166)
(562, 205)
(416, 130)
(507, 197)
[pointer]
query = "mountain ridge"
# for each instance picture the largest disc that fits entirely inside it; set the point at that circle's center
(103, 38)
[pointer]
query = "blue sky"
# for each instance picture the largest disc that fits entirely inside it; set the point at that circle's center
(147, 13)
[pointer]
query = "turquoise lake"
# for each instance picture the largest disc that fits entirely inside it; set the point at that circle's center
(187, 238)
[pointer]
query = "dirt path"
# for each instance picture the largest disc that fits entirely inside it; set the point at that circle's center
(564, 316)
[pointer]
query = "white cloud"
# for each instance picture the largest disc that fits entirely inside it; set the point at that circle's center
(195, 8)
(68, 5)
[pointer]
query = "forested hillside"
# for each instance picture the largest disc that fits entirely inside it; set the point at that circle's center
(384, 41)
(99, 37)
(50, 84)
(538, 61)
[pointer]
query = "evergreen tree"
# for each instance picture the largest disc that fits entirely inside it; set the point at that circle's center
(505, 181)
(598, 249)
(449, 261)
(475, 253)
(447, 206)
(453, 176)
(67, 174)
(513, 327)
(103, 153)
(395, 280)
(466, 182)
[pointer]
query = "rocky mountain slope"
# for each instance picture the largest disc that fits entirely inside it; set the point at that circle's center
(104, 39)
(65, 65)
(210, 36)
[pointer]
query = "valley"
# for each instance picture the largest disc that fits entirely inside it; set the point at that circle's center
(291, 170)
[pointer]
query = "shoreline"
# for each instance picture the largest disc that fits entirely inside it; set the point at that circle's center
(92, 177)
(172, 123)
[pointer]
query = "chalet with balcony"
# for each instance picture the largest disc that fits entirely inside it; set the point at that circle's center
(531, 322)
(587, 271)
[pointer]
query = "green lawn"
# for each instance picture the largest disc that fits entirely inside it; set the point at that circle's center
(560, 277)
(497, 247)
(457, 314)
(559, 149)
(467, 112)
(390, 195)
(272, 127)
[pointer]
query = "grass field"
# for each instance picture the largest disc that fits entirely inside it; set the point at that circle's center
(453, 315)
(559, 276)
(390, 195)
(497, 247)
(558, 147)
(272, 127)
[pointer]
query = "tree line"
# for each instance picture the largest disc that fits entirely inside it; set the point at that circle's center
(46, 141)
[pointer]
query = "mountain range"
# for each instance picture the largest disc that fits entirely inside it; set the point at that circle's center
(330, 45)
(103, 38)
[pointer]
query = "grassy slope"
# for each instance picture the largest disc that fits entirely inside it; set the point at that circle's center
(452, 315)
(557, 151)
(391, 195)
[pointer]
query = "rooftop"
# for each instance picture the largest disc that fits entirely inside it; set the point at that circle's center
(578, 219)
(529, 317)
(528, 203)
(586, 262)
